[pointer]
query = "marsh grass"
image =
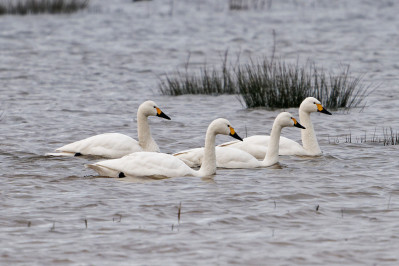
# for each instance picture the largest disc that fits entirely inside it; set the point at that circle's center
(52, 229)
(276, 84)
(271, 83)
(205, 81)
(178, 218)
(249, 4)
(387, 138)
(24, 7)
(179, 213)
(390, 137)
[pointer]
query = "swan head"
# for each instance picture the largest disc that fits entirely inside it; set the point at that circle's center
(223, 126)
(150, 108)
(311, 104)
(286, 119)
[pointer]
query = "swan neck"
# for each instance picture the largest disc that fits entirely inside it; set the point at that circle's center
(208, 166)
(309, 140)
(144, 134)
(274, 144)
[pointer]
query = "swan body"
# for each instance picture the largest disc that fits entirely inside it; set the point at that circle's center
(227, 157)
(116, 145)
(257, 145)
(151, 164)
(139, 164)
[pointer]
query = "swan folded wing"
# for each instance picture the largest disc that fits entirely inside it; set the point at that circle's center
(257, 146)
(192, 158)
(225, 144)
(61, 154)
(110, 145)
(290, 147)
(103, 170)
(254, 145)
(227, 157)
(146, 164)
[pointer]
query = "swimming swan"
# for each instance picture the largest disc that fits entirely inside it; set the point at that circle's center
(227, 157)
(116, 145)
(151, 164)
(257, 145)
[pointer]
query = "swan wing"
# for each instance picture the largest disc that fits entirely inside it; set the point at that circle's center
(290, 147)
(254, 145)
(109, 145)
(143, 164)
(257, 146)
(192, 157)
(227, 157)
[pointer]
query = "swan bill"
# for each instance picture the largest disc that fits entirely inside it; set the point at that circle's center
(296, 124)
(162, 114)
(234, 134)
(323, 110)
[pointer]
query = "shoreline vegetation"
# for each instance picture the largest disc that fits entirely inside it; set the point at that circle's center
(388, 138)
(27, 7)
(271, 83)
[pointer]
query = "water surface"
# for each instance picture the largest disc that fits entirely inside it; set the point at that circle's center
(66, 77)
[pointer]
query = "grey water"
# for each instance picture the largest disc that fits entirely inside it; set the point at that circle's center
(67, 77)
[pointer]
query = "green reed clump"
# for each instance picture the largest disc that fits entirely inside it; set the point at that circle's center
(24, 7)
(248, 4)
(206, 81)
(271, 84)
(276, 84)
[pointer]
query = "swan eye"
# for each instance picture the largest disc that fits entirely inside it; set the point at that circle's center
(314, 102)
(228, 125)
(155, 106)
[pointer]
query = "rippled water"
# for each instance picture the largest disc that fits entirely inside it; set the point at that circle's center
(63, 78)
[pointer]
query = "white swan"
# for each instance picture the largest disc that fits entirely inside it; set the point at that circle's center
(227, 157)
(155, 165)
(257, 145)
(116, 145)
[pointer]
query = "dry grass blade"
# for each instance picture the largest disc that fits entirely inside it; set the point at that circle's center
(53, 227)
(178, 214)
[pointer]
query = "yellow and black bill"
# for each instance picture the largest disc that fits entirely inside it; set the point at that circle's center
(323, 110)
(234, 134)
(296, 124)
(161, 114)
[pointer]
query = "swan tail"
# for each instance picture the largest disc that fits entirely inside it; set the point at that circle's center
(105, 171)
(62, 154)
